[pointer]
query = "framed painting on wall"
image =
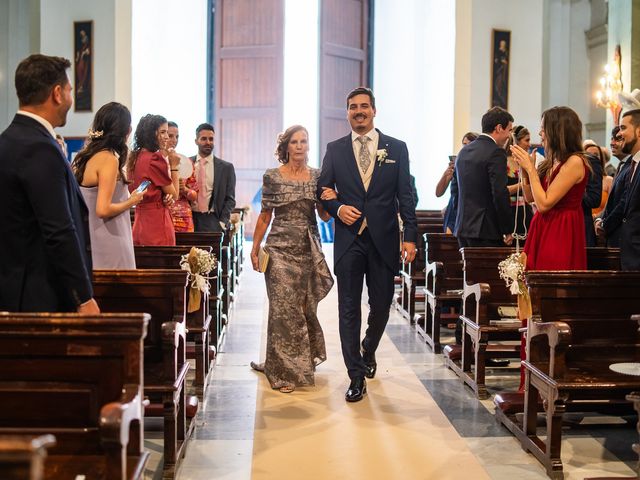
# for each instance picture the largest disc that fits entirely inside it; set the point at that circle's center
(500, 48)
(83, 65)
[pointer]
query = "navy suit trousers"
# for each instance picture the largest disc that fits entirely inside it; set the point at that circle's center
(361, 261)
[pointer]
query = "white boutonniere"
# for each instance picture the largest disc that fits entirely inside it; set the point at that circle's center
(381, 155)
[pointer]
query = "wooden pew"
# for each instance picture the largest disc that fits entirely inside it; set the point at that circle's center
(160, 293)
(581, 324)
(603, 258)
(412, 274)
(238, 243)
(443, 285)
(483, 293)
(219, 306)
(22, 456)
(198, 322)
(79, 378)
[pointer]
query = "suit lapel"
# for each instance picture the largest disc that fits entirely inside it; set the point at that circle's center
(351, 162)
(217, 181)
(383, 143)
(633, 187)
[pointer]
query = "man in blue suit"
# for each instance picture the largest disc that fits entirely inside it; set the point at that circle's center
(370, 173)
(45, 254)
(479, 189)
(630, 229)
(610, 220)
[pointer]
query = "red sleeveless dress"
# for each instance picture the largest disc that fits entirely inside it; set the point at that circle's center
(556, 239)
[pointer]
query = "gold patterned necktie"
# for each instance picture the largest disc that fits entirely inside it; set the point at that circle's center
(364, 160)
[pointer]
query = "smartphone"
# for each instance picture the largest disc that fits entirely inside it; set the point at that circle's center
(143, 186)
(452, 158)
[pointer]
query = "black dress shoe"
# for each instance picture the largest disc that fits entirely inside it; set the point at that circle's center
(496, 362)
(370, 362)
(357, 390)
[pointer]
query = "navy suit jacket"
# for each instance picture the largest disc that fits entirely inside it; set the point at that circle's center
(630, 229)
(592, 198)
(614, 210)
(389, 192)
(479, 192)
(45, 254)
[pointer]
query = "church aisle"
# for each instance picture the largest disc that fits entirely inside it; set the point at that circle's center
(417, 421)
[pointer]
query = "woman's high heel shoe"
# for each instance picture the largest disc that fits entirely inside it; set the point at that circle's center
(258, 367)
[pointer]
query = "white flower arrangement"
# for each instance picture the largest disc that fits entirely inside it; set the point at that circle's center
(198, 263)
(93, 134)
(512, 272)
(381, 155)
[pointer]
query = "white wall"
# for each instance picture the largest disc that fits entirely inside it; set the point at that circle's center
(56, 38)
(414, 50)
(17, 40)
(524, 18)
(169, 64)
(568, 78)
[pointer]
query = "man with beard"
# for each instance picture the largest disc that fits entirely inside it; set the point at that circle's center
(216, 185)
(370, 173)
(45, 256)
(630, 229)
(610, 220)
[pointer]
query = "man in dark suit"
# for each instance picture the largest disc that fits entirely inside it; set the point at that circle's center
(630, 229)
(592, 198)
(480, 194)
(610, 220)
(45, 254)
(370, 172)
(216, 185)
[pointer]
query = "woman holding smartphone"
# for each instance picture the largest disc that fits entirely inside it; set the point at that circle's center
(153, 224)
(98, 167)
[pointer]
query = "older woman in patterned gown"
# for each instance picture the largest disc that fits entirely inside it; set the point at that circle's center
(297, 275)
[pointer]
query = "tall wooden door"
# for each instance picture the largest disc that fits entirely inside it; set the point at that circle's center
(248, 71)
(344, 33)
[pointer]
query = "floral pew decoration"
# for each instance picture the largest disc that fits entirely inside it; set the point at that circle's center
(199, 264)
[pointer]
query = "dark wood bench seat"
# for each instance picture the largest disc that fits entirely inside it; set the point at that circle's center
(412, 274)
(78, 378)
(581, 324)
(198, 322)
(22, 456)
(219, 305)
(442, 285)
(483, 293)
(161, 293)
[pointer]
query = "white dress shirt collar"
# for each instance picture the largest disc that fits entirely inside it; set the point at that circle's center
(371, 134)
(492, 139)
(40, 120)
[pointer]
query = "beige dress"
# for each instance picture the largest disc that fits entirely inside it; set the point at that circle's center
(297, 278)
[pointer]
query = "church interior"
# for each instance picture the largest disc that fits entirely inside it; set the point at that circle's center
(435, 410)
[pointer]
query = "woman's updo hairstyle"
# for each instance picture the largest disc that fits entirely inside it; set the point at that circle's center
(284, 138)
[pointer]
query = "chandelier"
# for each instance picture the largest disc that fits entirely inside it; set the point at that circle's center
(610, 87)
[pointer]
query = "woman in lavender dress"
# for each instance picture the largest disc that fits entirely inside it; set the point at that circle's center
(98, 167)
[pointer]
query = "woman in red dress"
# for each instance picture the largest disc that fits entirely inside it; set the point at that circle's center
(153, 224)
(556, 238)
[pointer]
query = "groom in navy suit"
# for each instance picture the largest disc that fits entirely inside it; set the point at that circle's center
(370, 173)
